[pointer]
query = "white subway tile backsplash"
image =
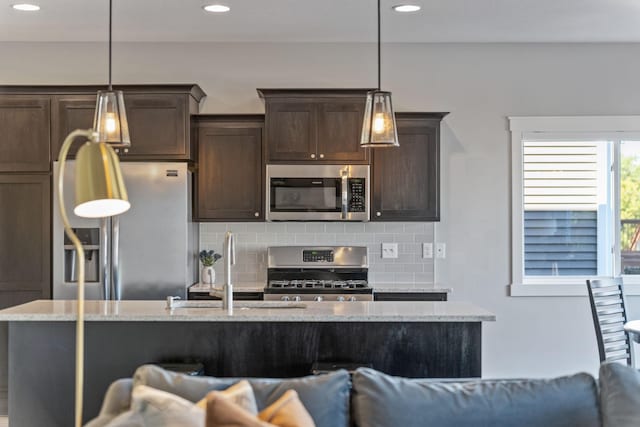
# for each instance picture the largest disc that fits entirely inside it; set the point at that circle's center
(315, 228)
(296, 227)
(394, 227)
(254, 238)
(354, 227)
(334, 227)
(416, 227)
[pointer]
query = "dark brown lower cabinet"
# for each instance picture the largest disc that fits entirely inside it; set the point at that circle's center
(25, 238)
(410, 296)
(230, 174)
(406, 180)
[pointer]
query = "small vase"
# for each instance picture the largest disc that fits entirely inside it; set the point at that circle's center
(207, 275)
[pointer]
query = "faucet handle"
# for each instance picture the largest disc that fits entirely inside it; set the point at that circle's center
(171, 300)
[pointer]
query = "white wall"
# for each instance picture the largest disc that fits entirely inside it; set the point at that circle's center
(479, 84)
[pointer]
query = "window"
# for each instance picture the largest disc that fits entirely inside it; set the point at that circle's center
(576, 202)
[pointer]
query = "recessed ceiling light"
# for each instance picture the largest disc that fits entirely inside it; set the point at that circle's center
(406, 8)
(26, 7)
(217, 8)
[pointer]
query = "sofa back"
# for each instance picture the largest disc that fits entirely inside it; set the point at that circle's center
(380, 400)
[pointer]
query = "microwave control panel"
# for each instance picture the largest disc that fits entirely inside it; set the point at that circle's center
(357, 195)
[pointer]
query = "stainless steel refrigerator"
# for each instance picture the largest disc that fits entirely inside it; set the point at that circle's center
(149, 252)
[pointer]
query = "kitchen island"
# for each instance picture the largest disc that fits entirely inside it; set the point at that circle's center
(417, 339)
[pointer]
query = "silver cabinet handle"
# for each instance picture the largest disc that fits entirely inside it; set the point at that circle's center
(313, 156)
(126, 150)
(117, 150)
(322, 156)
(257, 214)
(378, 214)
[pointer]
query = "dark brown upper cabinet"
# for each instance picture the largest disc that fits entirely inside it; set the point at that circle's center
(71, 112)
(24, 140)
(159, 119)
(25, 238)
(314, 125)
(406, 180)
(230, 174)
(159, 126)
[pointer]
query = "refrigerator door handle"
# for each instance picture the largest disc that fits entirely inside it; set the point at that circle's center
(104, 261)
(115, 259)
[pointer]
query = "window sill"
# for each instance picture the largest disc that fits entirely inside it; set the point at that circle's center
(561, 290)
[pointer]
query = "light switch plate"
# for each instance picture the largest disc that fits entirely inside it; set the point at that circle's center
(427, 250)
(389, 250)
(441, 250)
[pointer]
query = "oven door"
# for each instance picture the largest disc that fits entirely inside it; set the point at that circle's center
(317, 193)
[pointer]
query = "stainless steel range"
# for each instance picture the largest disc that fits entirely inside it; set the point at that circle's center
(317, 273)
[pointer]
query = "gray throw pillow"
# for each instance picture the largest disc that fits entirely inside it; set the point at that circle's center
(619, 395)
(380, 400)
(326, 397)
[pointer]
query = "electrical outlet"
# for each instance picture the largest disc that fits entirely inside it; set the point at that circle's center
(389, 250)
(441, 250)
(427, 250)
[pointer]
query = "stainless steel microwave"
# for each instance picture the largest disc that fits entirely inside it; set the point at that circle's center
(317, 192)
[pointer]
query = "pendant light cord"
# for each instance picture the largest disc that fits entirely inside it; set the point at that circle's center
(110, 29)
(379, 61)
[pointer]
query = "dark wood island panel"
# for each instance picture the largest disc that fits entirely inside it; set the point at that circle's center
(41, 359)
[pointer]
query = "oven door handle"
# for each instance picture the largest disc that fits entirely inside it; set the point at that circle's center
(345, 194)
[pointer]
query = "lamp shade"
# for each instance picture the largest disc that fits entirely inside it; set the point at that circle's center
(379, 126)
(100, 189)
(110, 120)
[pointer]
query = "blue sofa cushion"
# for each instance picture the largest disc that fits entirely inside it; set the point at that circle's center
(619, 395)
(380, 400)
(326, 397)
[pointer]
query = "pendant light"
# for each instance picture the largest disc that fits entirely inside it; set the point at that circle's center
(110, 120)
(379, 125)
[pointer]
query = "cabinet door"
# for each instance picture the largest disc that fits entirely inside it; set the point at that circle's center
(70, 112)
(406, 180)
(339, 129)
(158, 126)
(230, 174)
(291, 131)
(25, 238)
(25, 143)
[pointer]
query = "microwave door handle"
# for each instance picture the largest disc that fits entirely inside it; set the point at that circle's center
(345, 195)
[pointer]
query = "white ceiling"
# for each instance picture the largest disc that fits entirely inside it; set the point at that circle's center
(326, 21)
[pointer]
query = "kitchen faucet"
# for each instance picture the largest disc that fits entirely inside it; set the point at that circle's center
(229, 252)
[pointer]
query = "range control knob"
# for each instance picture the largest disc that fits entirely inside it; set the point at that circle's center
(318, 298)
(352, 299)
(340, 299)
(285, 298)
(297, 298)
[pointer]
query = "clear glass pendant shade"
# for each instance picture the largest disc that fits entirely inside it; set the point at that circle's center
(110, 120)
(379, 125)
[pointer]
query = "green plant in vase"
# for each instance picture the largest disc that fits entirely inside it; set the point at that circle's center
(208, 274)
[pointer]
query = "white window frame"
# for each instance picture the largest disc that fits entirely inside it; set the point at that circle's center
(566, 127)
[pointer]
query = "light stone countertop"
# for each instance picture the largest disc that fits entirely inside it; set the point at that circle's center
(379, 288)
(237, 287)
(402, 288)
(248, 311)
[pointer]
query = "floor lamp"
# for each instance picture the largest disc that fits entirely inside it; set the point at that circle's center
(100, 193)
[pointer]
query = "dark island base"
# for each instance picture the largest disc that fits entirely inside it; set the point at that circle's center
(41, 358)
